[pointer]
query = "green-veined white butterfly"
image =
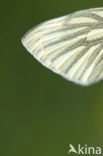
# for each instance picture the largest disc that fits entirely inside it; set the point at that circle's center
(71, 46)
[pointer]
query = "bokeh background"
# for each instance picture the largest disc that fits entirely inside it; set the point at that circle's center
(41, 113)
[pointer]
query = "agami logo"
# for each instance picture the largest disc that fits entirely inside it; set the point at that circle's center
(85, 150)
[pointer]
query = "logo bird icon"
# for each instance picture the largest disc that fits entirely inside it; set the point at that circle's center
(72, 149)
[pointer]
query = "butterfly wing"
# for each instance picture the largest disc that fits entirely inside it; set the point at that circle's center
(71, 46)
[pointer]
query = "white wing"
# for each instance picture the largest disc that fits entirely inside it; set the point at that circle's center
(71, 46)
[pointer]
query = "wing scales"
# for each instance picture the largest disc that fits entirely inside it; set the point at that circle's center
(71, 45)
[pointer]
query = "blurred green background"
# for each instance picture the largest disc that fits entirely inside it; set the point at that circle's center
(41, 113)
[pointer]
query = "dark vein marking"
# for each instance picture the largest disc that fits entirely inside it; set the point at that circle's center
(100, 59)
(91, 59)
(77, 58)
(68, 37)
(70, 48)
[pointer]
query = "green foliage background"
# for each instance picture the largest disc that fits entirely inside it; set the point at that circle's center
(41, 113)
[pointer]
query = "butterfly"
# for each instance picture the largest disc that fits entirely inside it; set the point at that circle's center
(71, 46)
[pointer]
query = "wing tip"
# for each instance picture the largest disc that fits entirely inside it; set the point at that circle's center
(85, 83)
(25, 46)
